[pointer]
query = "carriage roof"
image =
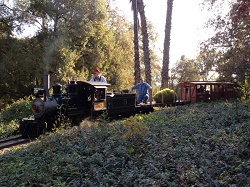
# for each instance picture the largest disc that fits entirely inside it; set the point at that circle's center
(94, 84)
(206, 83)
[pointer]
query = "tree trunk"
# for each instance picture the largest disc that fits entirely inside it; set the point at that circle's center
(137, 72)
(145, 41)
(165, 64)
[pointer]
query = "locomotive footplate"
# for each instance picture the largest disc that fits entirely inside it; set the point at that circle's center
(144, 108)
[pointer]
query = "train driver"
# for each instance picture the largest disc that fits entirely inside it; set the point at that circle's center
(97, 76)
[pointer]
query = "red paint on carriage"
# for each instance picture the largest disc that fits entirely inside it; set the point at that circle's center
(206, 91)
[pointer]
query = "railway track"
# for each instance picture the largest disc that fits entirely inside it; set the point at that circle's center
(13, 141)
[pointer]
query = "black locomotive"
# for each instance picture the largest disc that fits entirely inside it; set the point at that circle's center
(78, 100)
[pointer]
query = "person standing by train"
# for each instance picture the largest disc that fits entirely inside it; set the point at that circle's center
(142, 88)
(97, 76)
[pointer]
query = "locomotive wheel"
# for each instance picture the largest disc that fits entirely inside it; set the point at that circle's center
(51, 123)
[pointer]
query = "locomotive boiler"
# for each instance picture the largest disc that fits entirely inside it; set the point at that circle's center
(78, 100)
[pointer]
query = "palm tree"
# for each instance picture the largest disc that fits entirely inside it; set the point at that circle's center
(145, 41)
(165, 64)
(137, 72)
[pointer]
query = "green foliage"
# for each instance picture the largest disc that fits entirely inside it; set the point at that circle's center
(228, 26)
(17, 69)
(164, 96)
(8, 129)
(196, 145)
(186, 70)
(135, 125)
(10, 116)
(178, 149)
(90, 35)
(19, 109)
(245, 89)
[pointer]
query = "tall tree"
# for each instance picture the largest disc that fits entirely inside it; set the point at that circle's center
(228, 50)
(137, 64)
(186, 70)
(145, 42)
(166, 50)
(5, 23)
(70, 32)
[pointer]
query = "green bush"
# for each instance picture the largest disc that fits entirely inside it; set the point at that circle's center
(8, 129)
(167, 95)
(10, 116)
(16, 111)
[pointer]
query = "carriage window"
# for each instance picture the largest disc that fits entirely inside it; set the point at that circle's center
(208, 87)
(212, 88)
(100, 94)
(216, 88)
(201, 88)
(221, 88)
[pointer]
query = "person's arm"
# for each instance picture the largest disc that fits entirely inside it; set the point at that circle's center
(103, 79)
(149, 87)
(134, 87)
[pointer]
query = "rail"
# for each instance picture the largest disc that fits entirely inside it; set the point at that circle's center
(13, 141)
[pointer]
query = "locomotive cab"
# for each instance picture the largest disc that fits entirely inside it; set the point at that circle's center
(98, 96)
(38, 92)
(94, 94)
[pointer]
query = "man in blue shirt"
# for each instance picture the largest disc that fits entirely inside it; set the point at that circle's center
(142, 88)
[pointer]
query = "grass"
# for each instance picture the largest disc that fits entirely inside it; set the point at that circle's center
(195, 145)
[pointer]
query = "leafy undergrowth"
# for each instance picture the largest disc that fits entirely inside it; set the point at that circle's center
(8, 129)
(196, 145)
(11, 115)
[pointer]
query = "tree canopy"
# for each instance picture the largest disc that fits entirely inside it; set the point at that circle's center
(69, 40)
(227, 52)
(73, 37)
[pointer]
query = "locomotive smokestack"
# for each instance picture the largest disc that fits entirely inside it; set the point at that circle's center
(46, 82)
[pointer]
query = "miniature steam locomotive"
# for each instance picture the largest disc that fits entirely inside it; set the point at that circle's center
(78, 100)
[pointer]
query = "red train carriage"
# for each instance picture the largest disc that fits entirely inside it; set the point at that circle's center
(206, 91)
